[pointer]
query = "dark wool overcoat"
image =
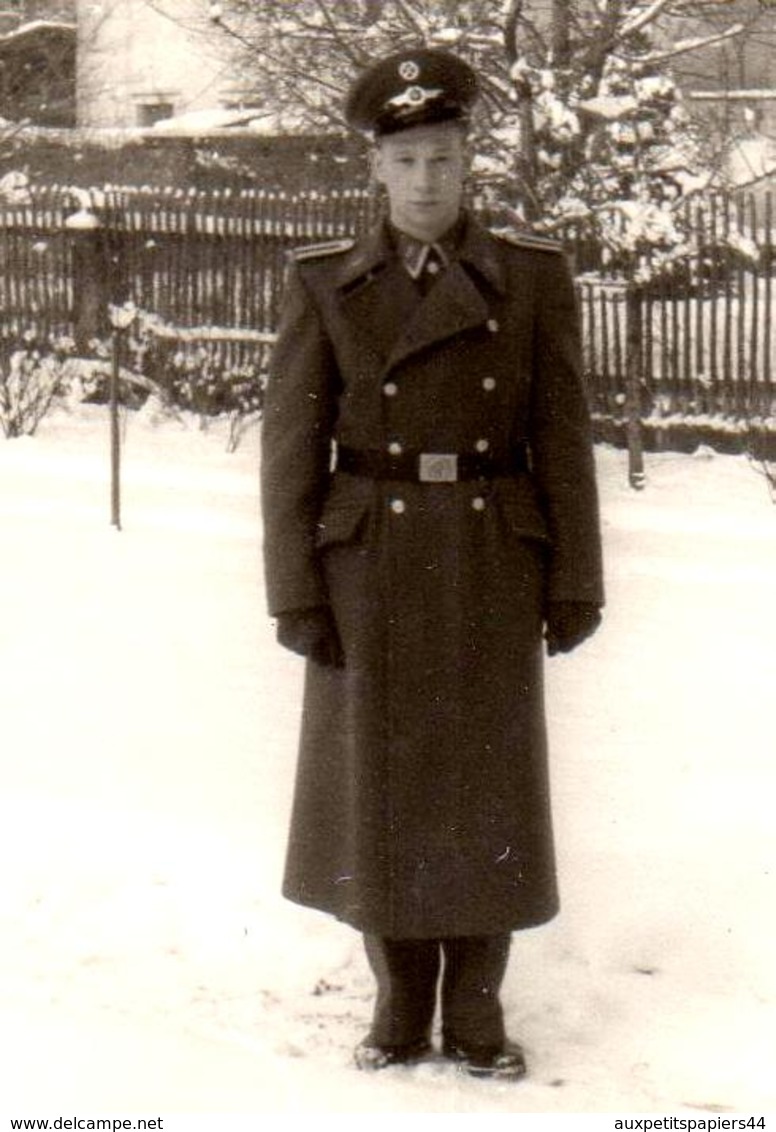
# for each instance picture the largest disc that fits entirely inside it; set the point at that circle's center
(422, 804)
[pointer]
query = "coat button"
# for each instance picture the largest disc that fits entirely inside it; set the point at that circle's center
(398, 506)
(395, 448)
(492, 325)
(478, 503)
(390, 389)
(482, 445)
(488, 384)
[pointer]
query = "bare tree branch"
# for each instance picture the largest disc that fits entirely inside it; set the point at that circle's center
(694, 44)
(511, 24)
(343, 44)
(411, 18)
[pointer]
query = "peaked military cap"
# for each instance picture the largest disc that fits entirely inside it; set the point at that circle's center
(411, 88)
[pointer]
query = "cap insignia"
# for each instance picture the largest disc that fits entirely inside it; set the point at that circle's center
(409, 70)
(413, 97)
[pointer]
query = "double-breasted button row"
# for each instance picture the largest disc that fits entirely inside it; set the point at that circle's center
(398, 506)
(395, 447)
(390, 388)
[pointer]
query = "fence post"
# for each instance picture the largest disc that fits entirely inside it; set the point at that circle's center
(634, 341)
(88, 276)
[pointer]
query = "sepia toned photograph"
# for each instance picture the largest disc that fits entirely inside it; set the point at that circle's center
(387, 555)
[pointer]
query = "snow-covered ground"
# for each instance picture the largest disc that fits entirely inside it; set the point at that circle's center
(148, 727)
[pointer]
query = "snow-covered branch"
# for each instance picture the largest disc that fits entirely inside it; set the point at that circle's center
(642, 16)
(578, 114)
(694, 43)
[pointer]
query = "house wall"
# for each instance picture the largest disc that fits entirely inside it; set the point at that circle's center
(138, 61)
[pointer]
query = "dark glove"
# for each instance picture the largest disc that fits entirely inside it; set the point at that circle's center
(311, 633)
(569, 623)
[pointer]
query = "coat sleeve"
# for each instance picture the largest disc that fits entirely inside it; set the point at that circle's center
(561, 440)
(299, 413)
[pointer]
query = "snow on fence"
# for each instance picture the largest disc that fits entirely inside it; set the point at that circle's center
(195, 259)
(703, 329)
(216, 260)
(36, 265)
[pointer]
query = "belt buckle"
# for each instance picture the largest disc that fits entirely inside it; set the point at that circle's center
(438, 467)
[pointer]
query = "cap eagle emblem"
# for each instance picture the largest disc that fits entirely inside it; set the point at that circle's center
(413, 97)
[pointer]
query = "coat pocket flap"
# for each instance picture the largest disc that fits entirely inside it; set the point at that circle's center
(521, 510)
(339, 524)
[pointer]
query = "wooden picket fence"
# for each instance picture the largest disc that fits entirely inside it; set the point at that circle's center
(36, 265)
(209, 263)
(702, 333)
(219, 259)
(214, 263)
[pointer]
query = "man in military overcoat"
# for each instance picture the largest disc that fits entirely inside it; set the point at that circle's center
(431, 525)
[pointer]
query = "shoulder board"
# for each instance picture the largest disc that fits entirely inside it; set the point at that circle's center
(529, 240)
(320, 251)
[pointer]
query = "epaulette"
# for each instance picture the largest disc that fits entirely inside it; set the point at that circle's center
(318, 251)
(528, 240)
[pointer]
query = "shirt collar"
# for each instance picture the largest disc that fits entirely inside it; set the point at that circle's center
(473, 245)
(414, 253)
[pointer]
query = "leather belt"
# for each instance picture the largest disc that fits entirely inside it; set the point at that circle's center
(430, 467)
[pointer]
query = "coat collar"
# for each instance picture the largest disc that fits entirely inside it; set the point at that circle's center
(477, 249)
(379, 296)
(370, 255)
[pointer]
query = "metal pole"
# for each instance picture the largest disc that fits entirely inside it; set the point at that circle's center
(121, 319)
(633, 339)
(115, 439)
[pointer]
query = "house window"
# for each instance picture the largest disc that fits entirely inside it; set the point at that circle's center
(150, 112)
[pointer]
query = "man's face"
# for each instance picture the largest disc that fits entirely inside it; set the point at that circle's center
(423, 171)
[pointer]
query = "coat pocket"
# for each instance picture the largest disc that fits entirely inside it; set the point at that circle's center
(340, 525)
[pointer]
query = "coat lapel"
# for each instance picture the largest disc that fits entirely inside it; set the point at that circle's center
(453, 304)
(456, 302)
(377, 296)
(382, 303)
